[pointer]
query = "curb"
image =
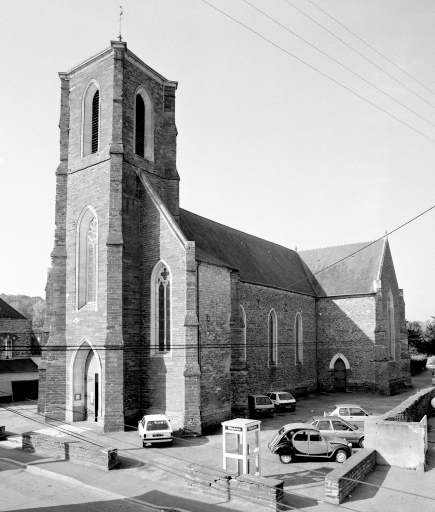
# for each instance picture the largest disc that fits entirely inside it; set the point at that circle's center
(112, 495)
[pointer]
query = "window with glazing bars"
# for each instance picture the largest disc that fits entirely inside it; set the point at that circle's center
(164, 311)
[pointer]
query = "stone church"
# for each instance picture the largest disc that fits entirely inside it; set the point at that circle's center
(154, 309)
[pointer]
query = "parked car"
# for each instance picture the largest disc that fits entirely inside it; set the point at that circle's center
(155, 428)
(260, 404)
(282, 400)
(337, 427)
(352, 413)
(299, 440)
(430, 364)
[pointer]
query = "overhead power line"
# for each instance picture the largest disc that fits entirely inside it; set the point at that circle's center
(371, 47)
(359, 53)
(339, 63)
(320, 72)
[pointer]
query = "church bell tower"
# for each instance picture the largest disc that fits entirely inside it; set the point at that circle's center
(117, 124)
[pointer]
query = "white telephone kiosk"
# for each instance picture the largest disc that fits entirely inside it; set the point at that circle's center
(241, 441)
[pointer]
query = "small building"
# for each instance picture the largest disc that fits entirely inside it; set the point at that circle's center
(19, 357)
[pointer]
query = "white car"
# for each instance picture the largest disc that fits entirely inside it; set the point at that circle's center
(349, 412)
(155, 428)
(282, 400)
(430, 364)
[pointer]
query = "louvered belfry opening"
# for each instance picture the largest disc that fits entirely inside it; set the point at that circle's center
(95, 121)
(140, 126)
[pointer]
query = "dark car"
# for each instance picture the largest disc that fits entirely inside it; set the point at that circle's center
(337, 427)
(305, 441)
(260, 404)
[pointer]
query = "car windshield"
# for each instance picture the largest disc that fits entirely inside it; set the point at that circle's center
(157, 425)
(331, 410)
(285, 396)
(262, 400)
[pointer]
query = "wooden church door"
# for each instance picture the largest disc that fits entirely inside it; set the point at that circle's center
(339, 376)
(91, 388)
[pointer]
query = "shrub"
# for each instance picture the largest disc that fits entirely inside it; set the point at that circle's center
(418, 363)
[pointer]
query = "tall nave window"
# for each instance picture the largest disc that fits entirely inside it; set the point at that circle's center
(161, 308)
(273, 339)
(87, 258)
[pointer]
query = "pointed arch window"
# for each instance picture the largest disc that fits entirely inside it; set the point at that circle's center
(299, 340)
(243, 324)
(91, 119)
(143, 125)
(273, 338)
(161, 308)
(391, 330)
(87, 259)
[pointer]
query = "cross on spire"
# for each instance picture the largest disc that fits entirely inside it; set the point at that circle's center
(121, 12)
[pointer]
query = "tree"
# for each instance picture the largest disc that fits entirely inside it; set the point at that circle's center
(430, 337)
(416, 339)
(25, 305)
(38, 314)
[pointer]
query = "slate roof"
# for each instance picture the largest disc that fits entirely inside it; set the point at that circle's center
(257, 260)
(17, 366)
(7, 311)
(354, 275)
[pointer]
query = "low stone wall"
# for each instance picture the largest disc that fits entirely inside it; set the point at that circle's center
(343, 479)
(412, 409)
(400, 436)
(265, 493)
(75, 451)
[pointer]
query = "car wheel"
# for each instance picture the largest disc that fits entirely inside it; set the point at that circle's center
(361, 442)
(340, 456)
(286, 458)
(144, 445)
(272, 414)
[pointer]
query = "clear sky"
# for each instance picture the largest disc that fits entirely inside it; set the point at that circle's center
(266, 144)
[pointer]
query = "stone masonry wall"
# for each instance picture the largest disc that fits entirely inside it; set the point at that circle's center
(215, 349)
(344, 478)
(253, 491)
(80, 452)
(161, 172)
(286, 375)
(24, 343)
(162, 381)
(90, 184)
(52, 400)
(397, 369)
(346, 326)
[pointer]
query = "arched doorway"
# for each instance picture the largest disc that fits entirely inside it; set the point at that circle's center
(86, 385)
(339, 375)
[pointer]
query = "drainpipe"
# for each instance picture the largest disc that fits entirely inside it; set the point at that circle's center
(316, 312)
(197, 314)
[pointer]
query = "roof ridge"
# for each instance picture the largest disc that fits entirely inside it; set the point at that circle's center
(239, 231)
(340, 245)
